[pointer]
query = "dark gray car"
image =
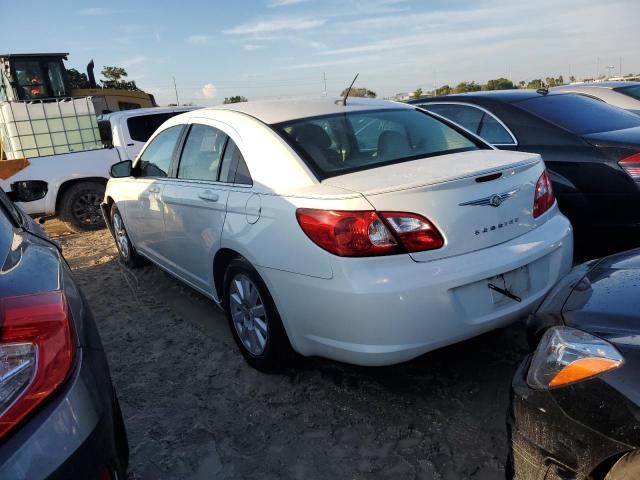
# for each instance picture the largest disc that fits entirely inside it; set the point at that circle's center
(59, 415)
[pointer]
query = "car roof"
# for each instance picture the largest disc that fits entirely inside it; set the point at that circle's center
(143, 111)
(283, 110)
(608, 85)
(506, 96)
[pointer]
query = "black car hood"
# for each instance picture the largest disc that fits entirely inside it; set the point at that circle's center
(626, 137)
(607, 301)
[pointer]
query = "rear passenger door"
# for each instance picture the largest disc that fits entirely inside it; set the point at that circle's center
(195, 201)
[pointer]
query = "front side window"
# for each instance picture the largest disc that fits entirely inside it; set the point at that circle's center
(352, 141)
(156, 158)
(202, 153)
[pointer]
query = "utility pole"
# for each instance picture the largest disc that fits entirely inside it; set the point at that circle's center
(620, 67)
(324, 83)
(176, 89)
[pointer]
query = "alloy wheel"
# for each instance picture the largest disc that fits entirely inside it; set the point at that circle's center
(122, 239)
(86, 209)
(248, 314)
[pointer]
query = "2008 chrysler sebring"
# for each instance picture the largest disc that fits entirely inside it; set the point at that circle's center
(370, 232)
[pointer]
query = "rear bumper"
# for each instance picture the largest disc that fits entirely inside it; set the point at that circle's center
(77, 435)
(385, 310)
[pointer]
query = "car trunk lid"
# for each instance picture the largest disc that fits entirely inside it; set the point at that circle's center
(476, 199)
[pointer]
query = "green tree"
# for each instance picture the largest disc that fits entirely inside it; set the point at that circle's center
(417, 93)
(522, 84)
(114, 76)
(236, 99)
(443, 90)
(499, 84)
(535, 84)
(572, 79)
(359, 92)
(77, 79)
(463, 87)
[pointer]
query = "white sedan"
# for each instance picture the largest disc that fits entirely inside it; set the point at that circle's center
(369, 233)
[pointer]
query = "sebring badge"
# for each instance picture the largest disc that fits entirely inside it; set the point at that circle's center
(494, 200)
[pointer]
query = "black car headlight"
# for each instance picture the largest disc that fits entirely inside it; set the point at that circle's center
(566, 355)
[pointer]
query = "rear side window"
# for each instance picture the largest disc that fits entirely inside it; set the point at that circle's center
(579, 114)
(142, 127)
(202, 153)
(156, 157)
(468, 117)
(351, 141)
(234, 168)
(493, 132)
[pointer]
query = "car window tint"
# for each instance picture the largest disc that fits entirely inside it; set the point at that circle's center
(234, 168)
(202, 153)
(143, 126)
(464, 115)
(156, 157)
(632, 91)
(493, 132)
(579, 114)
(352, 141)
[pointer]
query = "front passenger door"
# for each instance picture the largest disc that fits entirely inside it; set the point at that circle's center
(144, 215)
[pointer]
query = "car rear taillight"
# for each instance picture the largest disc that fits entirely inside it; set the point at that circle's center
(36, 353)
(631, 165)
(543, 198)
(368, 233)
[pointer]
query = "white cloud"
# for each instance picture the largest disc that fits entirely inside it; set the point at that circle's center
(275, 25)
(209, 90)
(251, 48)
(198, 39)
(285, 3)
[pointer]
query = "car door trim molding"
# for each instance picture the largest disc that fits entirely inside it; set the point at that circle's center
(513, 137)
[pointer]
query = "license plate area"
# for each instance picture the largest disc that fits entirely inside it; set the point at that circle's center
(516, 281)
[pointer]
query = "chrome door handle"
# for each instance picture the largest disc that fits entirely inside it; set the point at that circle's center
(153, 190)
(209, 196)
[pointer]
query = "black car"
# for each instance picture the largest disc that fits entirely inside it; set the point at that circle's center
(575, 409)
(59, 415)
(592, 150)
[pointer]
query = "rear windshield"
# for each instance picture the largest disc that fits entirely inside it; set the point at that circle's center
(580, 114)
(633, 91)
(351, 141)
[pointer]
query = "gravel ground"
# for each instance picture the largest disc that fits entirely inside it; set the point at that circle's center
(195, 410)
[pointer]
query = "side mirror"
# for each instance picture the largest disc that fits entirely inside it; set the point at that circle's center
(28, 191)
(122, 169)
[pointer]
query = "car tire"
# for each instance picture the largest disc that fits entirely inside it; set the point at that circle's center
(80, 207)
(126, 250)
(627, 468)
(254, 320)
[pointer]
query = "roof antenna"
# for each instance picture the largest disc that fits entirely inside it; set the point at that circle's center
(343, 101)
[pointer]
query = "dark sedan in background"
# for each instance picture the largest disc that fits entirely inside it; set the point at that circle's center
(592, 150)
(575, 410)
(59, 415)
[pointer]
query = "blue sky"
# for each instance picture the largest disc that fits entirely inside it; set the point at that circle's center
(280, 48)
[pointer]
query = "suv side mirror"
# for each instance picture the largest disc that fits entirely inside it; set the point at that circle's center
(122, 169)
(28, 191)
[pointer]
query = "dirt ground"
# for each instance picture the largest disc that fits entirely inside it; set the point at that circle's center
(195, 410)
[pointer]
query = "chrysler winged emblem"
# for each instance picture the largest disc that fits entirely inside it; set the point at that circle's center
(494, 200)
